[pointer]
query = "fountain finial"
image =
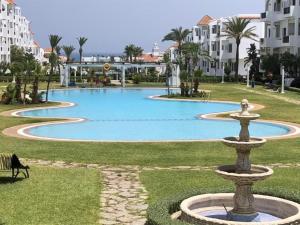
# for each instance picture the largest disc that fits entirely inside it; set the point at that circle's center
(245, 107)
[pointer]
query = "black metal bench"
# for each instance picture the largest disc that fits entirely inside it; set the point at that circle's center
(10, 162)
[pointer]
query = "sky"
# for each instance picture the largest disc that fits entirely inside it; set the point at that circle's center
(110, 25)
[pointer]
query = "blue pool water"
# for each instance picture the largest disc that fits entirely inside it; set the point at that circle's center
(129, 115)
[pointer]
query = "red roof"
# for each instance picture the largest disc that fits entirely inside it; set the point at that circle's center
(47, 50)
(11, 1)
(149, 58)
(205, 20)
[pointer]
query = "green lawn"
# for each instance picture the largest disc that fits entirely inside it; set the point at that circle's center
(51, 197)
(162, 154)
(165, 184)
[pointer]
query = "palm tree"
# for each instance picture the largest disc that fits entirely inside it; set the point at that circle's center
(178, 35)
(29, 65)
(68, 52)
(192, 53)
(168, 72)
(58, 53)
(137, 52)
(81, 42)
(236, 28)
(54, 41)
(129, 50)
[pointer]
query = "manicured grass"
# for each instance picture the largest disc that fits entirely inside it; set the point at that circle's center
(165, 184)
(51, 197)
(163, 154)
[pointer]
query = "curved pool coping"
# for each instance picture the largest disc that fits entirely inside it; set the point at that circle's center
(21, 131)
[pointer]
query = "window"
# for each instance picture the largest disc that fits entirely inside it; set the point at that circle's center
(277, 30)
(214, 46)
(291, 29)
(230, 48)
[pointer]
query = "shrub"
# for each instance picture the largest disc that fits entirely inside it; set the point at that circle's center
(227, 70)
(9, 95)
(136, 79)
(296, 83)
(160, 212)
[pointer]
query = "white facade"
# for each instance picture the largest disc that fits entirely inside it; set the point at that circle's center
(208, 33)
(282, 27)
(15, 30)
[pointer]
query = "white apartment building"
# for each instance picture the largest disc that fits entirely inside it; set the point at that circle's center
(208, 33)
(15, 30)
(282, 27)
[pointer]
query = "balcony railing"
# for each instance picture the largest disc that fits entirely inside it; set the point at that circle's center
(263, 15)
(286, 39)
(287, 10)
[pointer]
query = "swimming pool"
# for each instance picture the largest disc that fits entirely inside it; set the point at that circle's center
(130, 115)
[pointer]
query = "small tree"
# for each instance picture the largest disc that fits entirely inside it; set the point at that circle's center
(254, 60)
(271, 64)
(289, 61)
(227, 70)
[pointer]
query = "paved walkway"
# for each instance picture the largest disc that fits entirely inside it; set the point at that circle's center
(272, 95)
(123, 198)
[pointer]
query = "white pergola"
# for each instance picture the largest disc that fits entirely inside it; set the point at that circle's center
(65, 74)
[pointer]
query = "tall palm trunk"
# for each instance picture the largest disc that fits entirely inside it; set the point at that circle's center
(237, 57)
(48, 82)
(80, 61)
(25, 89)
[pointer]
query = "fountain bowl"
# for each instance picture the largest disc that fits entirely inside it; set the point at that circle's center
(200, 210)
(252, 143)
(257, 173)
(250, 116)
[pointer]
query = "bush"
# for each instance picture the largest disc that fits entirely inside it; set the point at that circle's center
(160, 212)
(227, 70)
(296, 83)
(136, 79)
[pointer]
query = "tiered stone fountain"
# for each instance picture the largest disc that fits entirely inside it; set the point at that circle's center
(242, 207)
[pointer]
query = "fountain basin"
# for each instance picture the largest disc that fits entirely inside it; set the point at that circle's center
(209, 209)
(242, 145)
(257, 173)
(238, 116)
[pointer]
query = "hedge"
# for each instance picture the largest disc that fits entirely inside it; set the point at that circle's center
(160, 212)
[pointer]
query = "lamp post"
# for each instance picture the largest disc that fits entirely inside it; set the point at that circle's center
(282, 71)
(223, 67)
(248, 76)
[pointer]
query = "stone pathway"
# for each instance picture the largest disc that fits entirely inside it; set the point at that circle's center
(123, 198)
(283, 98)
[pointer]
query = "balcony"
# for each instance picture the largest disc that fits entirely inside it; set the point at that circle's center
(286, 39)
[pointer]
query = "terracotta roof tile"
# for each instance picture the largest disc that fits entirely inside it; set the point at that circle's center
(149, 58)
(205, 20)
(11, 1)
